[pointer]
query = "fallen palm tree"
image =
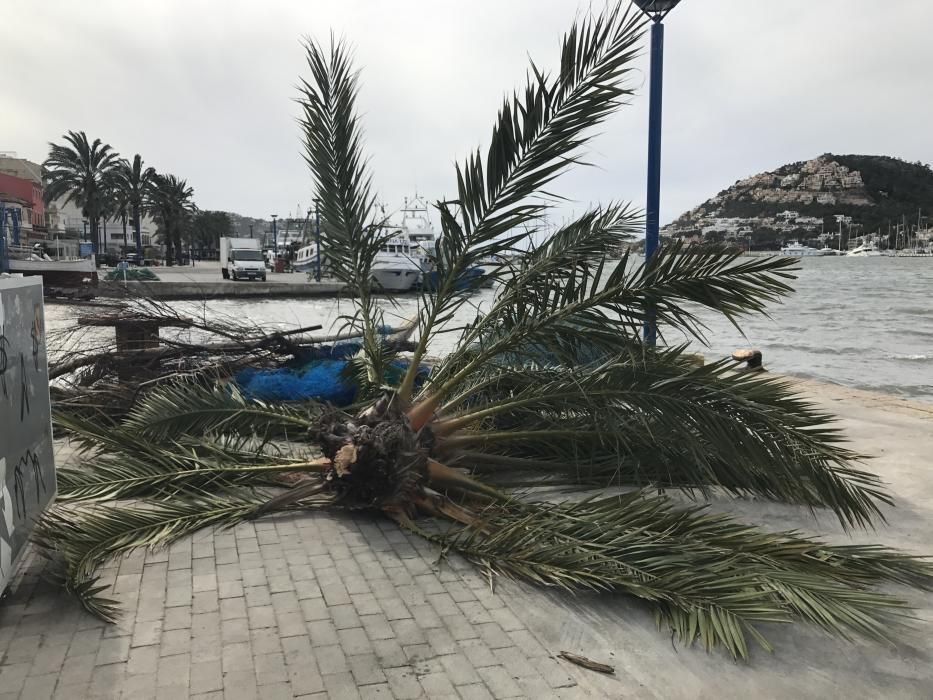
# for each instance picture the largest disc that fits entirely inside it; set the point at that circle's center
(551, 385)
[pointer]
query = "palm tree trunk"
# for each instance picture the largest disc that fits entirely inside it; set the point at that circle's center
(138, 233)
(169, 257)
(95, 235)
(123, 218)
(177, 234)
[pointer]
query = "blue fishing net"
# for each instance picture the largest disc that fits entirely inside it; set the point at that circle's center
(320, 374)
(320, 379)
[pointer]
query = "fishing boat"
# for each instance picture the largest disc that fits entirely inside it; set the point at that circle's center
(797, 249)
(395, 267)
(306, 259)
(62, 271)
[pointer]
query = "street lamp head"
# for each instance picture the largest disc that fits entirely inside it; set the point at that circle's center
(656, 9)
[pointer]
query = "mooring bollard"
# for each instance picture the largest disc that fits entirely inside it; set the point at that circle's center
(134, 334)
(751, 357)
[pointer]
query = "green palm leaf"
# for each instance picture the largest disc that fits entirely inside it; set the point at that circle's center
(708, 578)
(82, 172)
(170, 201)
(196, 408)
(537, 136)
(551, 305)
(79, 541)
(333, 147)
(179, 469)
(696, 427)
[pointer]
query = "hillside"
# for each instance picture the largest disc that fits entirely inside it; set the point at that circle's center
(797, 200)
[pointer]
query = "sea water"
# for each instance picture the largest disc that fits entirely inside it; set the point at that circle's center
(860, 322)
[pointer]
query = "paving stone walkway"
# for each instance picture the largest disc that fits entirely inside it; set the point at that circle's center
(317, 605)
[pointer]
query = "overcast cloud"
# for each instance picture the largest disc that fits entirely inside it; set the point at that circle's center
(205, 89)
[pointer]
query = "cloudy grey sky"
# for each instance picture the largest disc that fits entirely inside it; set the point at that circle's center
(204, 89)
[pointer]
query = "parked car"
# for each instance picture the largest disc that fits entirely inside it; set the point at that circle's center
(107, 259)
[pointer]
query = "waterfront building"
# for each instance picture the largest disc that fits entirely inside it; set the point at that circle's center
(21, 186)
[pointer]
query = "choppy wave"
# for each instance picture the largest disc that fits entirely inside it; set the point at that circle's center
(917, 333)
(814, 349)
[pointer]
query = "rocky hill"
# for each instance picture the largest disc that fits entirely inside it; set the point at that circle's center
(799, 199)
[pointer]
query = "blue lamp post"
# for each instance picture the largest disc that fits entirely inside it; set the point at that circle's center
(656, 11)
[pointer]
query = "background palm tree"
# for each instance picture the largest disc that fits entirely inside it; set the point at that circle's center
(112, 206)
(550, 386)
(170, 200)
(80, 172)
(134, 183)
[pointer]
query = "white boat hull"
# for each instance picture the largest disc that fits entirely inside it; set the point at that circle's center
(866, 250)
(304, 266)
(396, 278)
(58, 273)
(796, 250)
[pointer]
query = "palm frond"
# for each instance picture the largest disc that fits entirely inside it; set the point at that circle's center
(177, 473)
(707, 577)
(333, 145)
(129, 461)
(196, 408)
(538, 135)
(549, 308)
(654, 421)
(80, 541)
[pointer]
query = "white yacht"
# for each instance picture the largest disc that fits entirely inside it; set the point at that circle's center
(866, 250)
(416, 226)
(797, 249)
(396, 267)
